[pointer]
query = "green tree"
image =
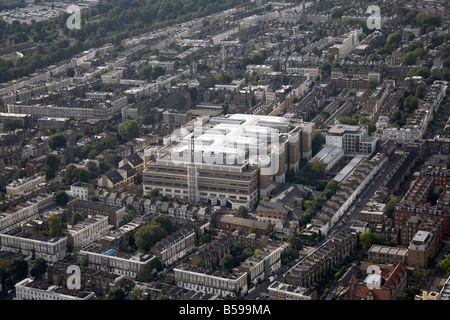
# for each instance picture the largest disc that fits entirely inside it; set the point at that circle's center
(435, 194)
(365, 239)
(165, 222)
(411, 103)
(61, 198)
(317, 142)
(419, 71)
(390, 207)
(11, 125)
(51, 166)
(318, 168)
(129, 129)
(445, 264)
(116, 293)
(242, 212)
(421, 91)
(19, 269)
(74, 174)
(154, 193)
(228, 262)
(409, 59)
(147, 236)
(157, 72)
(92, 168)
(54, 225)
(372, 84)
(136, 294)
(147, 119)
(57, 141)
(39, 268)
(76, 217)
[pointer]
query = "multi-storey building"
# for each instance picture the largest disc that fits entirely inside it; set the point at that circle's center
(345, 44)
(283, 291)
(24, 185)
(175, 246)
(237, 158)
(385, 254)
(52, 249)
(80, 190)
(88, 231)
(211, 253)
(312, 267)
(353, 139)
(417, 201)
(11, 219)
(10, 149)
(265, 261)
(103, 110)
(215, 282)
(114, 261)
(376, 282)
(32, 289)
(100, 282)
(421, 249)
(91, 208)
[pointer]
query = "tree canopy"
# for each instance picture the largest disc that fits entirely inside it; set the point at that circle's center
(129, 129)
(56, 141)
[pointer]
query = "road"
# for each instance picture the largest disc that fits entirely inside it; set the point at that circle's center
(354, 213)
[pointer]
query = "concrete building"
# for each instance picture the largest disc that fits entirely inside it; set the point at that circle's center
(32, 289)
(353, 139)
(81, 190)
(52, 249)
(420, 249)
(344, 45)
(91, 208)
(330, 156)
(256, 152)
(175, 246)
(387, 255)
(214, 282)
(114, 261)
(283, 291)
(21, 186)
(88, 231)
(264, 262)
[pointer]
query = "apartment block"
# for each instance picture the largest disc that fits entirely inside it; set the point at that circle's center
(21, 186)
(32, 289)
(81, 190)
(353, 139)
(344, 45)
(100, 282)
(114, 261)
(283, 291)
(215, 282)
(175, 246)
(420, 249)
(387, 255)
(312, 267)
(88, 231)
(211, 254)
(264, 262)
(234, 175)
(91, 208)
(52, 249)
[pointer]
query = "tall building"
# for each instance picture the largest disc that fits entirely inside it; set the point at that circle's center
(237, 158)
(353, 139)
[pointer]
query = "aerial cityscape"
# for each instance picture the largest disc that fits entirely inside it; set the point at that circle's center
(234, 150)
